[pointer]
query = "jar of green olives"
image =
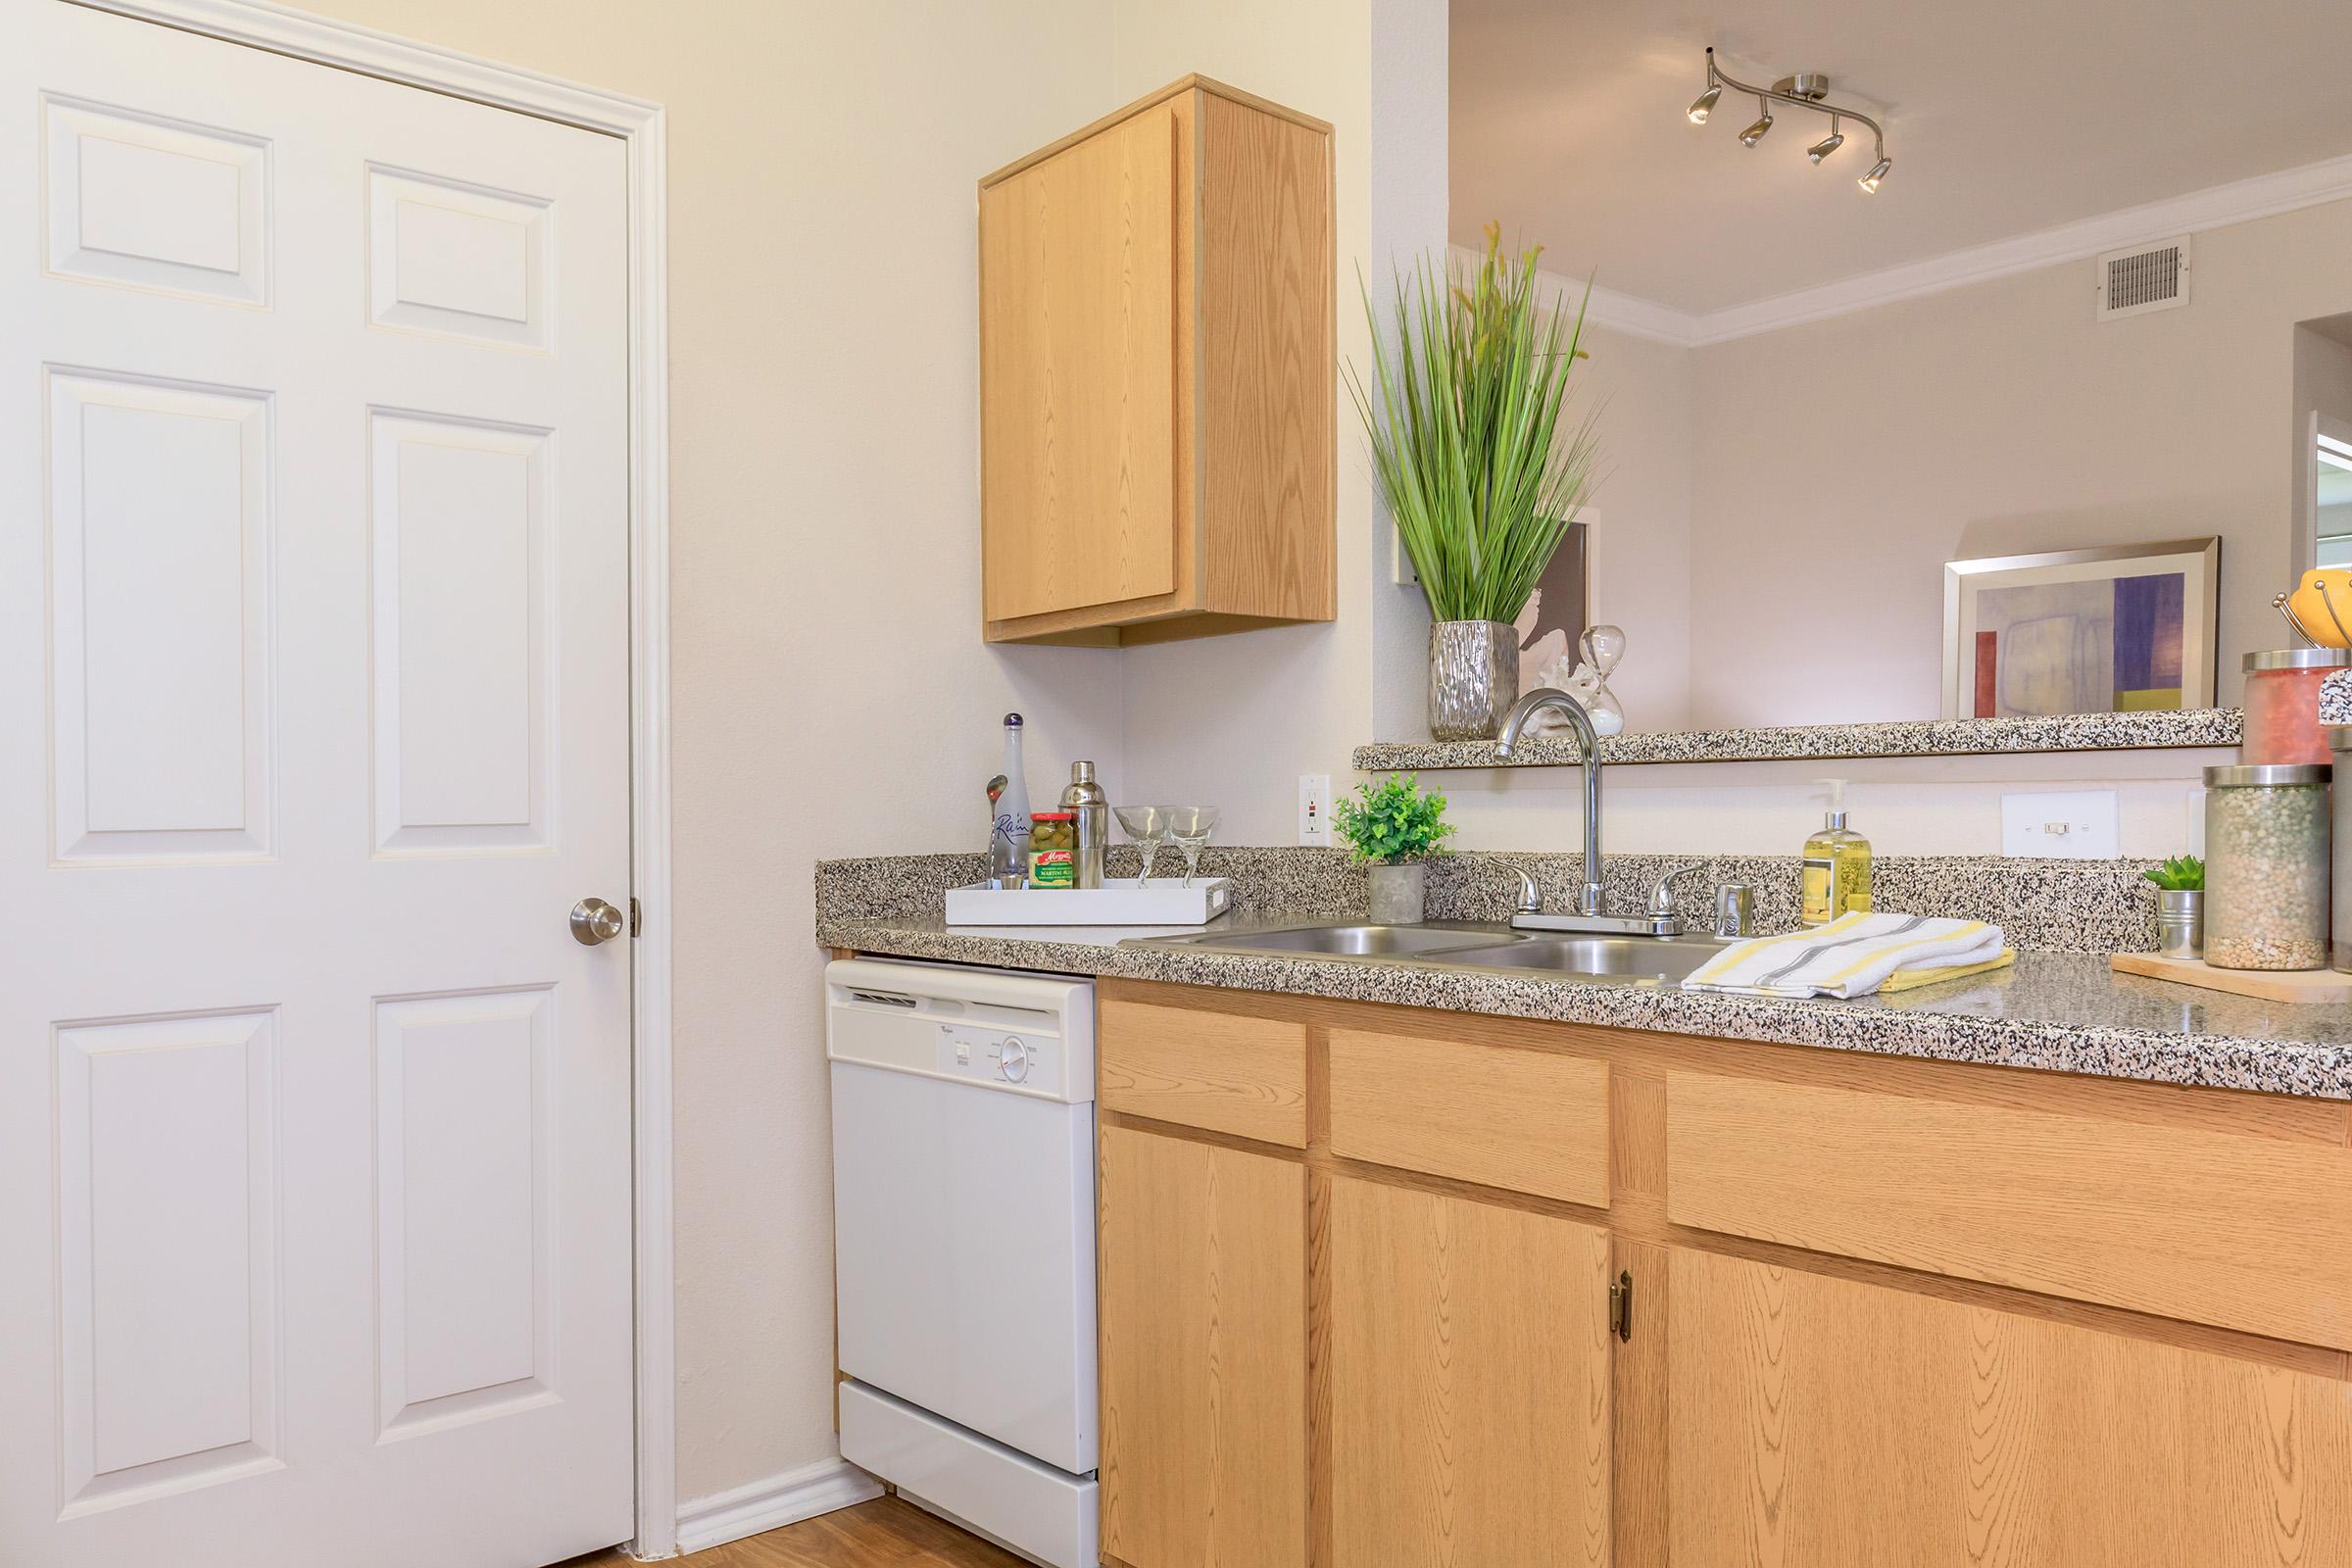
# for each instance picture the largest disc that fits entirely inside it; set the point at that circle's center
(1053, 850)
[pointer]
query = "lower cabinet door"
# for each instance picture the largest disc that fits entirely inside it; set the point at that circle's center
(1821, 1422)
(1202, 1263)
(1470, 1377)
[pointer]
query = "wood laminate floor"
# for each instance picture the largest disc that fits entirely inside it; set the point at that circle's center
(882, 1533)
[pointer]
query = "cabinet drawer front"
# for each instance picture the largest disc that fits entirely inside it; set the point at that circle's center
(1528, 1120)
(2233, 1229)
(1212, 1070)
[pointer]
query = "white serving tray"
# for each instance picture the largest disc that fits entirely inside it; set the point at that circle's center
(1119, 901)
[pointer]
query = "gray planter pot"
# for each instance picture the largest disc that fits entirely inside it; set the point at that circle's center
(1473, 678)
(1399, 893)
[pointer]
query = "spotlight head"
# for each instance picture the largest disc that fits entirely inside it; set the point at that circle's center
(1755, 132)
(1877, 172)
(1826, 146)
(1704, 105)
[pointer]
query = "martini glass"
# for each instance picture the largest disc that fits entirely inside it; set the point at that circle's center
(1148, 825)
(1191, 826)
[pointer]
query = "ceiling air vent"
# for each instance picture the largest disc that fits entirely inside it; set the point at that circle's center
(2143, 278)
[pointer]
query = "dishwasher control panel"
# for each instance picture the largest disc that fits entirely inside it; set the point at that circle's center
(1000, 1056)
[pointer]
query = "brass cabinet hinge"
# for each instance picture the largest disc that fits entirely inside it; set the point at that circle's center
(1621, 1306)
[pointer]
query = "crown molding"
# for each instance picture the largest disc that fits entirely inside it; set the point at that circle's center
(2215, 207)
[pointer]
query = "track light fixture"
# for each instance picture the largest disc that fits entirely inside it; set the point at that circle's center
(1807, 90)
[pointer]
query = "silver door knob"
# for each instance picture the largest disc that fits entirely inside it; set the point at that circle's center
(593, 920)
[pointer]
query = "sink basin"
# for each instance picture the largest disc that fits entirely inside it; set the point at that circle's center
(1661, 959)
(1365, 941)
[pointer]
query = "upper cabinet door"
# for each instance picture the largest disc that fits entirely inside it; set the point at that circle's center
(1077, 374)
(1157, 382)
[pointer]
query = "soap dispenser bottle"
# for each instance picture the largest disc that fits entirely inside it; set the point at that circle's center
(1835, 875)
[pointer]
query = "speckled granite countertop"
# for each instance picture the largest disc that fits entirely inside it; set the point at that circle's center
(1957, 737)
(2058, 1011)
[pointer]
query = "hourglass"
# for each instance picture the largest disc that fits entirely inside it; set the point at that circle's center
(1603, 648)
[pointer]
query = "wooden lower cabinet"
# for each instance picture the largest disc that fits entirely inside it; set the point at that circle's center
(1469, 1383)
(1885, 1314)
(1203, 1273)
(1831, 1424)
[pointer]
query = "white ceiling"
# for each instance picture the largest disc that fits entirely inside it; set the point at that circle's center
(2003, 116)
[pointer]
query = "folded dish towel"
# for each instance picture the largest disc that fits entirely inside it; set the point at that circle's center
(1854, 956)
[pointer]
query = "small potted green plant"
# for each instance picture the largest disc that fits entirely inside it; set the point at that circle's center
(2180, 907)
(1395, 829)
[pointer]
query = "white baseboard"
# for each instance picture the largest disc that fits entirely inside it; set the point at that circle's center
(771, 1504)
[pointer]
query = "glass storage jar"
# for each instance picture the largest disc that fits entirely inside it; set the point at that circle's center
(2265, 866)
(1052, 850)
(2282, 704)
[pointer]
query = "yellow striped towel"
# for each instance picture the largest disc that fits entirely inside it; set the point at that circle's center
(1853, 955)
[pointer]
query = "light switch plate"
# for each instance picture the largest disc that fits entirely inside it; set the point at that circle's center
(1314, 807)
(2061, 825)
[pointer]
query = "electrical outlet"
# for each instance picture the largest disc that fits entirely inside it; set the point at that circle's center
(2061, 825)
(1314, 807)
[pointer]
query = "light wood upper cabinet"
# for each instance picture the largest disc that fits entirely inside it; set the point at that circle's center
(1157, 376)
(1203, 1280)
(1834, 1424)
(1470, 1383)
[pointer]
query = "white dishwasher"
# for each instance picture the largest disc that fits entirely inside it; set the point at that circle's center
(963, 1222)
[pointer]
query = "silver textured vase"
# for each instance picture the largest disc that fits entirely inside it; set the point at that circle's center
(1473, 678)
(1399, 893)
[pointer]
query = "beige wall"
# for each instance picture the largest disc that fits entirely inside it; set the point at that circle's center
(1841, 463)
(832, 694)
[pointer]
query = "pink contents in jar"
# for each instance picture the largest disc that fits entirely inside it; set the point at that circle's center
(2283, 706)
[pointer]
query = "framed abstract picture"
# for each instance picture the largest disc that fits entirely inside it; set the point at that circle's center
(2125, 629)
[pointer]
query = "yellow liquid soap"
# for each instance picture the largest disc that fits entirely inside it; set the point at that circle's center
(1835, 875)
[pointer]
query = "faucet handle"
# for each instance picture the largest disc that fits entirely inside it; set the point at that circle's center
(1530, 898)
(1735, 909)
(1661, 896)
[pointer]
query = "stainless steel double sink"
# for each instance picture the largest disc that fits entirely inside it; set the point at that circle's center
(1621, 959)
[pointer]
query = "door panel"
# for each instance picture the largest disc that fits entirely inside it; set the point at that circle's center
(168, 1171)
(156, 203)
(1823, 1423)
(460, 622)
(313, 1119)
(1202, 1263)
(158, 617)
(1470, 1383)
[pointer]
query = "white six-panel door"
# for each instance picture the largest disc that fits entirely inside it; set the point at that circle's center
(314, 725)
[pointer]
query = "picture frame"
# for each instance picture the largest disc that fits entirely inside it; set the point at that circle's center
(2117, 628)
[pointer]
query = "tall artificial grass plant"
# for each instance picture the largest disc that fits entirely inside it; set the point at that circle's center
(1463, 419)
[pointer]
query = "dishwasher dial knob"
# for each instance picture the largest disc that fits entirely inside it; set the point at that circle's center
(1016, 1061)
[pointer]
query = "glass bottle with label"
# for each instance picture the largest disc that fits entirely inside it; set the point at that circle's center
(1836, 872)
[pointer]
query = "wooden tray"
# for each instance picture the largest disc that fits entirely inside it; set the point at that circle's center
(2271, 985)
